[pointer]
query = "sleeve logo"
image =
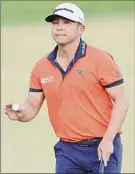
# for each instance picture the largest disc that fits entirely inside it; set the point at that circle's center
(46, 80)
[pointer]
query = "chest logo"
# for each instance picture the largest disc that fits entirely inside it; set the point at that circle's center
(80, 72)
(46, 80)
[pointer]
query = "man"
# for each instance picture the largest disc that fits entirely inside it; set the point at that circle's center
(85, 95)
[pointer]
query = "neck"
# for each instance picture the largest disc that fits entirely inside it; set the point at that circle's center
(68, 51)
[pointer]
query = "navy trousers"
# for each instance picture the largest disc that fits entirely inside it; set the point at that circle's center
(74, 158)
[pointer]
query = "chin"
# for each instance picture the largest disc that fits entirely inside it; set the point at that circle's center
(61, 42)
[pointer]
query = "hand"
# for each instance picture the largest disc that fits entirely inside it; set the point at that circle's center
(12, 114)
(105, 149)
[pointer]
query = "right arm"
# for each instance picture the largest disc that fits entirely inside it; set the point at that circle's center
(28, 110)
(33, 102)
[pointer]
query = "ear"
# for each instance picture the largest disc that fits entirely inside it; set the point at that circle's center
(82, 29)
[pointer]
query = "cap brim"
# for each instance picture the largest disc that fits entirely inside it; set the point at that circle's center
(51, 17)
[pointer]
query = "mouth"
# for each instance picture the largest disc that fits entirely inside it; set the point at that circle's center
(60, 35)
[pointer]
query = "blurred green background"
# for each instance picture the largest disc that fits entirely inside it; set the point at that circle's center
(33, 12)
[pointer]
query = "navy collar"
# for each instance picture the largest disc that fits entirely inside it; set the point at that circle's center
(80, 52)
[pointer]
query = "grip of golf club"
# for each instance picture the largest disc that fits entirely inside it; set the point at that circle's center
(101, 167)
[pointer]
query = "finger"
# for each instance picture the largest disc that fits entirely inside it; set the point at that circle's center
(19, 115)
(104, 157)
(99, 154)
(8, 111)
(108, 156)
(13, 117)
(6, 108)
(8, 105)
(5, 112)
(112, 150)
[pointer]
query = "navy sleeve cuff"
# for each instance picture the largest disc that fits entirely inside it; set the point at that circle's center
(116, 83)
(35, 90)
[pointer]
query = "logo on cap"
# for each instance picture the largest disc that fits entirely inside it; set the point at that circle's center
(66, 9)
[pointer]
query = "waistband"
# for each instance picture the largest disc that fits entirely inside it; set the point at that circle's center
(90, 142)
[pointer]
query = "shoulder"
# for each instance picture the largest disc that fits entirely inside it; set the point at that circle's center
(99, 55)
(40, 65)
(97, 52)
(41, 62)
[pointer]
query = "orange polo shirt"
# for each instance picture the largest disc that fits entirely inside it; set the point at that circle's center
(78, 104)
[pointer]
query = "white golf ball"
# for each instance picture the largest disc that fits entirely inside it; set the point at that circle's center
(15, 107)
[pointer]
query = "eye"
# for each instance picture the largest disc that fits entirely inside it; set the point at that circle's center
(66, 22)
(55, 22)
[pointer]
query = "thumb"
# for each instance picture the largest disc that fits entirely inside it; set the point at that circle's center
(19, 114)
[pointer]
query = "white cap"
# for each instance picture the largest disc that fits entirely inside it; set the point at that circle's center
(69, 11)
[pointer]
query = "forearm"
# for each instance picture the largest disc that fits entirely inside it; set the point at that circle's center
(118, 116)
(31, 107)
(27, 112)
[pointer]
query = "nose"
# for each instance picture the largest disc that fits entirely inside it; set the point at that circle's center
(60, 26)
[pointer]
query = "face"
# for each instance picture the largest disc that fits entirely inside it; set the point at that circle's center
(65, 31)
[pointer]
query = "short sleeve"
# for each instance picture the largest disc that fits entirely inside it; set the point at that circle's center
(35, 84)
(108, 72)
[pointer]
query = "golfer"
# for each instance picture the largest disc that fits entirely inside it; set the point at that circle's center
(85, 95)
